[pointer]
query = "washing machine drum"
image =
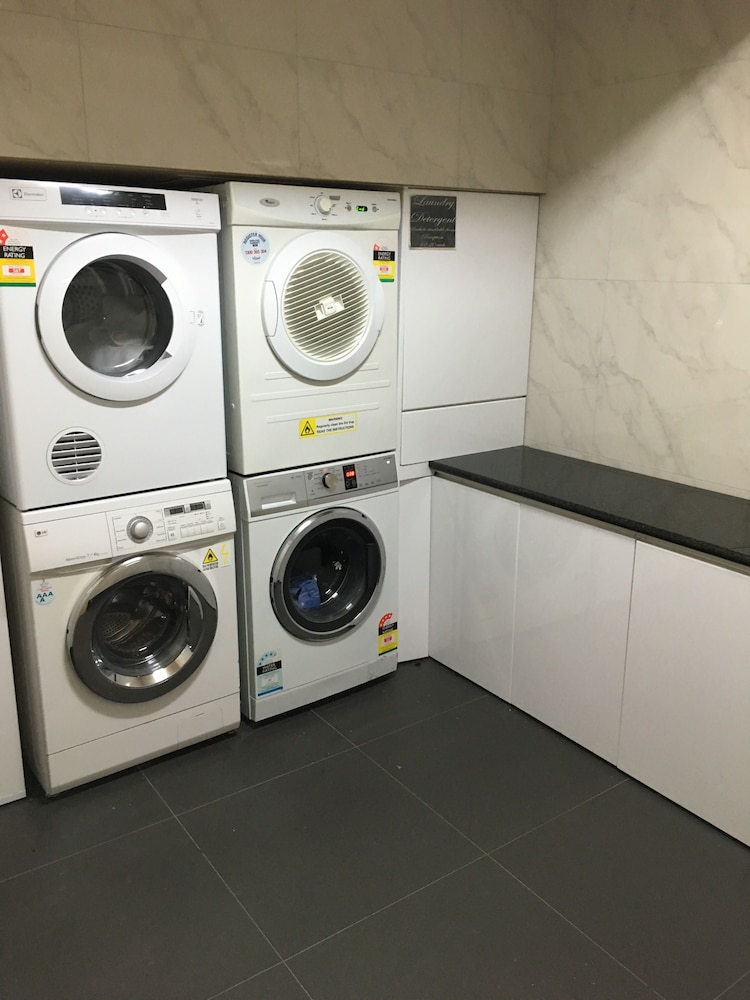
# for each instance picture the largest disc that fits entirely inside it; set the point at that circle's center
(143, 628)
(327, 574)
(323, 306)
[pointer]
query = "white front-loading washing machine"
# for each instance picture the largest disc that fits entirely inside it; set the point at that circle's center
(123, 620)
(12, 784)
(110, 341)
(318, 581)
(309, 280)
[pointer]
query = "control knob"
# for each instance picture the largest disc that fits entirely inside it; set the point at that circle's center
(139, 529)
(323, 204)
(330, 480)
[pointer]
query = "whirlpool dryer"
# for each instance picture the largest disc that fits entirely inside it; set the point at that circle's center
(318, 581)
(110, 341)
(310, 282)
(123, 621)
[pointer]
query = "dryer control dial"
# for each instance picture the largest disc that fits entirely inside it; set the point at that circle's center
(139, 529)
(323, 204)
(330, 480)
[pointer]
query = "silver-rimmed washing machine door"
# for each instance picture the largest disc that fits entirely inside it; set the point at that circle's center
(327, 573)
(143, 628)
(111, 319)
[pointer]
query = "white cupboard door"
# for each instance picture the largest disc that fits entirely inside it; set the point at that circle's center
(472, 583)
(414, 568)
(572, 605)
(686, 705)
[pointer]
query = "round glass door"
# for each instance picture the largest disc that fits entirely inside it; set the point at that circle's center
(110, 318)
(116, 317)
(143, 628)
(327, 573)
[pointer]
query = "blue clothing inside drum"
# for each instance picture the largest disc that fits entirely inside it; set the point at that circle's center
(304, 590)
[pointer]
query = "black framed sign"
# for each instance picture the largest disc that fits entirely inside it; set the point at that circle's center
(432, 221)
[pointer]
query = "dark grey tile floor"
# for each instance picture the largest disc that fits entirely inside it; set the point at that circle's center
(416, 839)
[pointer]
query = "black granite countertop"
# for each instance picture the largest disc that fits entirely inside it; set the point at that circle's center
(714, 523)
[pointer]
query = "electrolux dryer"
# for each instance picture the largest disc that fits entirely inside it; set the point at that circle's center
(110, 341)
(318, 581)
(123, 622)
(310, 284)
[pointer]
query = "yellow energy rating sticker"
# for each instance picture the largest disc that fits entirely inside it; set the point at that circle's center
(387, 634)
(17, 265)
(210, 560)
(334, 423)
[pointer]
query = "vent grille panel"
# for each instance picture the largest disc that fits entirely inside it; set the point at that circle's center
(326, 306)
(75, 456)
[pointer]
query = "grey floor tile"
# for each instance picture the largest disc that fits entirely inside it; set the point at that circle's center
(491, 770)
(144, 916)
(276, 984)
(739, 991)
(417, 690)
(662, 891)
(321, 847)
(37, 830)
(253, 754)
(476, 935)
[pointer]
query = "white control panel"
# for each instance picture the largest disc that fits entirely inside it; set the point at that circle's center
(318, 484)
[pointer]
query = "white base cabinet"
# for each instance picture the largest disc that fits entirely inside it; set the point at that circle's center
(414, 568)
(472, 583)
(686, 706)
(571, 623)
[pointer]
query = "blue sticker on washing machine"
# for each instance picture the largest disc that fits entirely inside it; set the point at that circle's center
(268, 676)
(44, 593)
(255, 248)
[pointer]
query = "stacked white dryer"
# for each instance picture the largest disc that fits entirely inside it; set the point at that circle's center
(117, 517)
(310, 314)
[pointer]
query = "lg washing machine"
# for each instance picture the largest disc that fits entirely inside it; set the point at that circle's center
(318, 581)
(123, 621)
(310, 285)
(110, 341)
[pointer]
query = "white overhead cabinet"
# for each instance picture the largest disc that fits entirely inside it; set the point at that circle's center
(467, 277)
(571, 623)
(686, 706)
(472, 583)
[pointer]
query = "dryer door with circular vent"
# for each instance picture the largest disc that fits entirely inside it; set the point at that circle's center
(323, 306)
(111, 317)
(143, 628)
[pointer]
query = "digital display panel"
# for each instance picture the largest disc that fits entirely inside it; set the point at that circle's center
(361, 208)
(106, 198)
(350, 477)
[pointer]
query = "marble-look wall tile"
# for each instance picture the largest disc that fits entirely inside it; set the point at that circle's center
(504, 138)
(575, 218)
(566, 333)
(252, 24)
(356, 127)
(589, 50)
(675, 382)
(41, 113)
(47, 8)
(402, 36)
(673, 36)
(188, 104)
(564, 365)
(508, 44)
(683, 173)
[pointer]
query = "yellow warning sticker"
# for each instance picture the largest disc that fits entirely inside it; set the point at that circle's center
(210, 560)
(333, 423)
(16, 263)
